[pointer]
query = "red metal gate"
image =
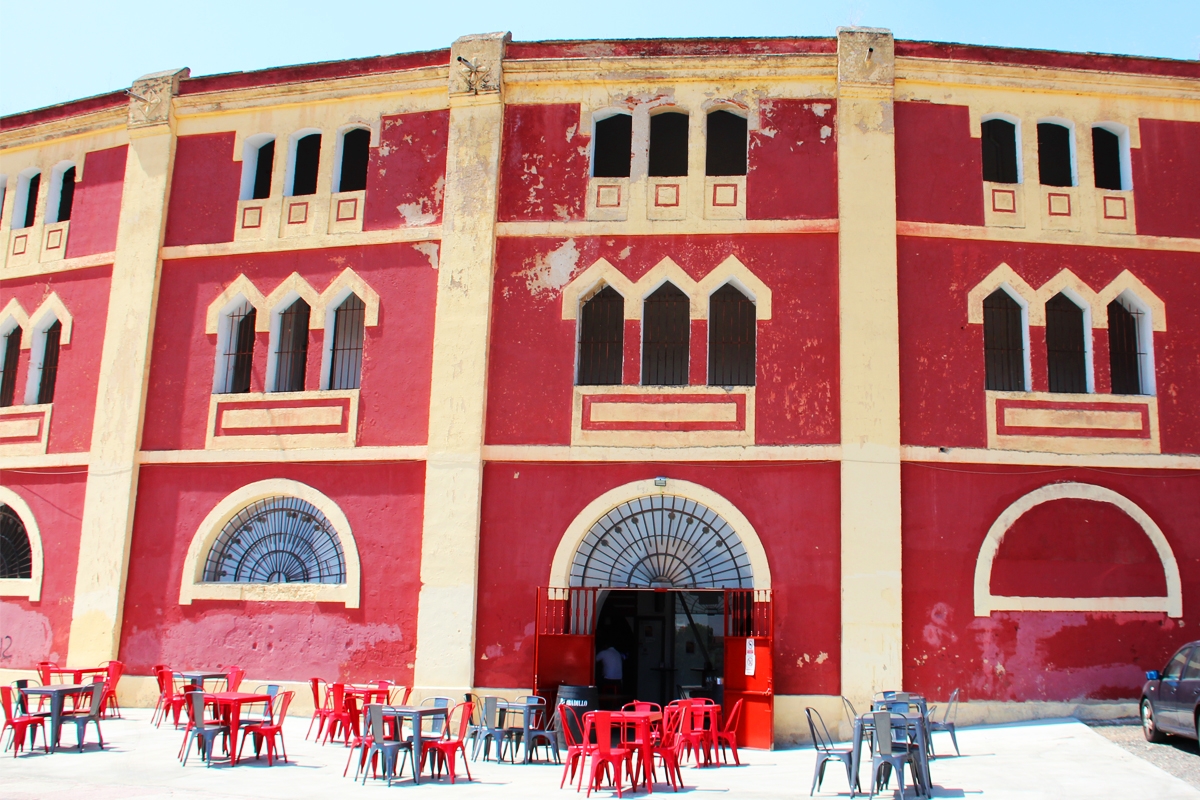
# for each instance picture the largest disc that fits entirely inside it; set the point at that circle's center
(749, 669)
(564, 644)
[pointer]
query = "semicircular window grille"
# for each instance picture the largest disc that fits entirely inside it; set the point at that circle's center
(277, 540)
(16, 558)
(662, 541)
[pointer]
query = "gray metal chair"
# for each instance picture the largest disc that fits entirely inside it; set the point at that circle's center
(888, 755)
(259, 713)
(490, 731)
(437, 724)
(946, 724)
(536, 730)
(826, 752)
(90, 714)
(388, 748)
(206, 731)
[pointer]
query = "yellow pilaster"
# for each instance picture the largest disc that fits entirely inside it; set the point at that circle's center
(454, 469)
(124, 365)
(870, 376)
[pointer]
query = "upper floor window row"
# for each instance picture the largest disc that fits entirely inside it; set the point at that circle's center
(302, 167)
(1056, 153)
(58, 195)
(725, 136)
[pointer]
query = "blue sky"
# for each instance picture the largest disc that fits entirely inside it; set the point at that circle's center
(58, 51)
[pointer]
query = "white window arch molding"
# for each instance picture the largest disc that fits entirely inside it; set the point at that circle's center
(986, 602)
(1033, 311)
(733, 271)
(13, 316)
(1152, 318)
(293, 141)
(30, 587)
(1124, 142)
(1074, 145)
(1015, 121)
(324, 312)
(193, 587)
(293, 288)
(1094, 315)
(250, 149)
(577, 531)
(339, 147)
(40, 321)
(236, 297)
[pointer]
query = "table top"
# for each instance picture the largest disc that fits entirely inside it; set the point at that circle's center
(80, 671)
(199, 673)
(56, 688)
(421, 710)
(634, 716)
(238, 697)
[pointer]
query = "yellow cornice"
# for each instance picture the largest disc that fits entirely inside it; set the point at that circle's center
(64, 130)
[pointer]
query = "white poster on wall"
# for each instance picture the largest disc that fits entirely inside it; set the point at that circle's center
(750, 658)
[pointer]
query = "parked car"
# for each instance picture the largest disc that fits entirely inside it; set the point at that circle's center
(1171, 698)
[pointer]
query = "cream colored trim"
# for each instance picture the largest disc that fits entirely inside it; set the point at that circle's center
(61, 265)
(282, 441)
(37, 448)
(1004, 276)
(19, 317)
(193, 587)
(315, 241)
(572, 538)
(241, 286)
(51, 306)
(1074, 287)
(668, 271)
(972, 455)
(44, 460)
(731, 270)
(414, 452)
(30, 587)
(1073, 444)
(292, 283)
(340, 288)
(650, 438)
(938, 230)
(665, 227)
(1128, 281)
(986, 602)
(590, 281)
(650, 453)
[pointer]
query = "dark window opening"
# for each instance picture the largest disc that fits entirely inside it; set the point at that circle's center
(31, 200)
(291, 357)
(263, 169)
(239, 353)
(356, 152)
(1106, 159)
(725, 151)
(1066, 355)
(613, 147)
(602, 339)
(345, 368)
(669, 145)
(66, 195)
(50, 363)
(16, 556)
(308, 160)
(8, 379)
(1054, 154)
(731, 338)
(999, 151)
(1124, 348)
(1003, 343)
(666, 336)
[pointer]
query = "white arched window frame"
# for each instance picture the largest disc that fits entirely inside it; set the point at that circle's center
(250, 162)
(1089, 331)
(1144, 315)
(1122, 134)
(39, 327)
(1027, 363)
(30, 587)
(731, 108)
(339, 148)
(293, 141)
(21, 199)
(1015, 121)
(325, 311)
(54, 190)
(293, 288)
(1073, 140)
(587, 295)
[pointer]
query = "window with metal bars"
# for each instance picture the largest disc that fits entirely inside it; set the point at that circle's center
(49, 376)
(291, 354)
(731, 338)
(669, 144)
(66, 195)
(602, 339)
(16, 556)
(1125, 351)
(345, 364)
(239, 349)
(1054, 155)
(356, 154)
(277, 540)
(1003, 343)
(8, 378)
(666, 337)
(999, 143)
(725, 148)
(307, 163)
(1066, 353)
(612, 147)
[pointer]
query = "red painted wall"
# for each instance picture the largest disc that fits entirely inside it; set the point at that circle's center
(289, 641)
(544, 167)
(406, 174)
(40, 631)
(793, 507)
(532, 356)
(1033, 655)
(942, 376)
(397, 354)
(205, 185)
(939, 167)
(85, 294)
(793, 161)
(1164, 178)
(97, 207)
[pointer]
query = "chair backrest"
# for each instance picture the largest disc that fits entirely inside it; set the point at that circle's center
(43, 669)
(901, 697)
(115, 670)
(465, 710)
(820, 734)
(951, 712)
(535, 713)
(338, 692)
(570, 724)
(398, 695)
(195, 706)
(731, 721)
(602, 724)
(280, 713)
(233, 678)
(851, 712)
(883, 733)
(19, 698)
(375, 721)
(163, 676)
(898, 708)
(6, 699)
(315, 685)
(437, 702)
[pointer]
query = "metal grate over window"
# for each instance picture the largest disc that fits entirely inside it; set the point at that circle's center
(1125, 353)
(16, 557)
(731, 338)
(8, 378)
(49, 378)
(239, 349)
(277, 540)
(291, 357)
(1066, 356)
(666, 337)
(662, 541)
(1003, 343)
(345, 367)
(602, 339)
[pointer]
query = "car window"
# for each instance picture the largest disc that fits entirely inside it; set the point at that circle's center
(1192, 672)
(1175, 668)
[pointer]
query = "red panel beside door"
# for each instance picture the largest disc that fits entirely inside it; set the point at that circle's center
(564, 644)
(749, 668)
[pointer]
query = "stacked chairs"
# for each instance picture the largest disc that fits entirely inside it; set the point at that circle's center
(17, 724)
(888, 755)
(169, 699)
(338, 717)
(489, 731)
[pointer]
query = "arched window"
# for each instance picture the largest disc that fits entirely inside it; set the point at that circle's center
(16, 554)
(666, 337)
(43, 362)
(1004, 342)
(1056, 162)
(725, 149)
(355, 146)
(669, 144)
(602, 339)
(29, 184)
(345, 363)
(277, 540)
(1110, 157)
(612, 146)
(8, 377)
(291, 351)
(258, 165)
(731, 338)
(999, 142)
(1066, 345)
(62, 193)
(1130, 335)
(305, 163)
(235, 345)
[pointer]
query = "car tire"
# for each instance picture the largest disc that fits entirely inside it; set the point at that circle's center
(1149, 725)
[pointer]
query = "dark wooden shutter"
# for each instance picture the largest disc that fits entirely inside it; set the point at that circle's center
(731, 338)
(999, 151)
(1003, 343)
(291, 356)
(612, 149)
(1124, 355)
(1065, 354)
(669, 144)
(1054, 155)
(602, 339)
(666, 335)
(308, 161)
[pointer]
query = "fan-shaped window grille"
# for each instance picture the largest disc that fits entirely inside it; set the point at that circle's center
(662, 541)
(16, 558)
(277, 540)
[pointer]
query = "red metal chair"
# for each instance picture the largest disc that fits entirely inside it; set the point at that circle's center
(727, 736)
(43, 670)
(115, 670)
(265, 732)
(339, 717)
(667, 750)
(607, 760)
(692, 740)
(20, 724)
(233, 678)
(320, 693)
(443, 752)
(172, 699)
(576, 750)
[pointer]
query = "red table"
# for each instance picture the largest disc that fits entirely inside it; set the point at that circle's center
(368, 692)
(77, 674)
(641, 720)
(229, 705)
(706, 717)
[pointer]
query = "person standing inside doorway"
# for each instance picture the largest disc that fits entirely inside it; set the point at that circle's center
(612, 670)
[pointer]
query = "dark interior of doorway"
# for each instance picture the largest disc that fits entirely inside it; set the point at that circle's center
(671, 643)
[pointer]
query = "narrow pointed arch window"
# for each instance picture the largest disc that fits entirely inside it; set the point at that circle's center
(8, 378)
(999, 142)
(669, 144)
(725, 148)
(345, 364)
(612, 146)
(1066, 346)
(1128, 348)
(49, 370)
(356, 154)
(291, 354)
(1004, 342)
(666, 337)
(238, 355)
(602, 339)
(731, 338)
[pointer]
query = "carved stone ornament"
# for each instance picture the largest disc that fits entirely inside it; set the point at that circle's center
(150, 97)
(475, 63)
